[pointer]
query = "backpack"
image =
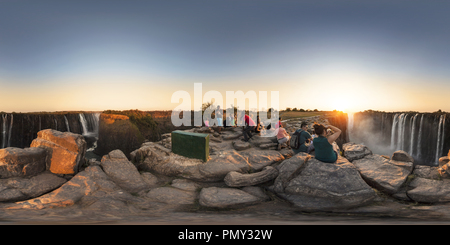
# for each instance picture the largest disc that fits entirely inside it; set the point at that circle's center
(294, 142)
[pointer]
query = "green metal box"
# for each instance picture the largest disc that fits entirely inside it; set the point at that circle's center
(193, 145)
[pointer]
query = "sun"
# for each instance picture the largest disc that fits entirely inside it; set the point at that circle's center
(341, 105)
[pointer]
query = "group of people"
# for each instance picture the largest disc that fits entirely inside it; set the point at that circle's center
(321, 141)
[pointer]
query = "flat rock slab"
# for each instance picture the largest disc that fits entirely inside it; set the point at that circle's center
(215, 197)
(383, 174)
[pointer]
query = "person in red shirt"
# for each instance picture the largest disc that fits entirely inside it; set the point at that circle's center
(249, 126)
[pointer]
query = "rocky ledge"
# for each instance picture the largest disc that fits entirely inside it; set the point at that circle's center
(234, 177)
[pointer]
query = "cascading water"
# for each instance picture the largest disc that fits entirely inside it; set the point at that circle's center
(424, 136)
(440, 138)
(4, 116)
(67, 123)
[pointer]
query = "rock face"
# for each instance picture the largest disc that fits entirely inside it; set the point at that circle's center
(384, 174)
(122, 171)
(17, 162)
(117, 132)
(354, 151)
(65, 150)
(314, 185)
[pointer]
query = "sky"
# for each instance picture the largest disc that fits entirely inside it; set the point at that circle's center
(346, 55)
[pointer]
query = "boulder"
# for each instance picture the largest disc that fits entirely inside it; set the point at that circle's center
(428, 172)
(319, 186)
(429, 191)
(383, 174)
(65, 150)
(184, 184)
(153, 157)
(235, 179)
(17, 162)
(122, 171)
(402, 156)
(289, 169)
(18, 189)
(354, 151)
(215, 197)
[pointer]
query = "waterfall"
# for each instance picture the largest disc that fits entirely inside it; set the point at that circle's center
(90, 123)
(413, 130)
(4, 116)
(440, 138)
(350, 125)
(420, 138)
(83, 124)
(393, 131)
(67, 123)
(10, 128)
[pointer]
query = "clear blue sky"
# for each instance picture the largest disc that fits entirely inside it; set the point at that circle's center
(97, 55)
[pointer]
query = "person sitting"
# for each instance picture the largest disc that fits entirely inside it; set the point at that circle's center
(278, 123)
(249, 126)
(323, 144)
(304, 139)
(282, 137)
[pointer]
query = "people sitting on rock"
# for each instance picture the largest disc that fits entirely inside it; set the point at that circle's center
(325, 150)
(282, 137)
(249, 126)
(304, 139)
(259, 126)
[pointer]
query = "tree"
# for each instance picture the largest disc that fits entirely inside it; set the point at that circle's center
(295, 109)
(288, 109)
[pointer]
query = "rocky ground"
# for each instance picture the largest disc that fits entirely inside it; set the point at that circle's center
(242, 183)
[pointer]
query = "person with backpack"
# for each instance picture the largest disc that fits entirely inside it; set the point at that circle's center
(301, 139)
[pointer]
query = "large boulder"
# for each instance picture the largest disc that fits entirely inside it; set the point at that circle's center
(154, 157)
(289, 169)
(259, 159)
(17, 162)
(122, 171)
(317, 186)
(216, 197)
(353, 151)
(171, 195)
(384, 174)
(65, 150)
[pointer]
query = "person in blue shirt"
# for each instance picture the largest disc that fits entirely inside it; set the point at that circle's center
(323, 145)
(304, 138)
